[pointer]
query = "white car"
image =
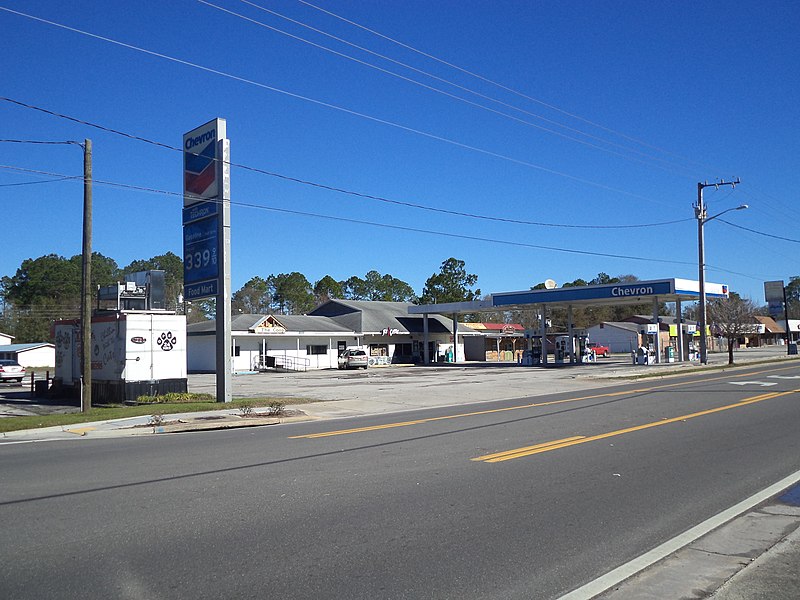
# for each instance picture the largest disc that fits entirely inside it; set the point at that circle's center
(352, 359)
(11, 370)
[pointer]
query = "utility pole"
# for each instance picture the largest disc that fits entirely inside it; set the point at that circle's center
(86, 281)
(702, 219)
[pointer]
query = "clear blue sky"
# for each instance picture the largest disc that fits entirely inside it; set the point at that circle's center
(607, 114)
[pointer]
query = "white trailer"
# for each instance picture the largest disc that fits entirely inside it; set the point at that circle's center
(134, 353)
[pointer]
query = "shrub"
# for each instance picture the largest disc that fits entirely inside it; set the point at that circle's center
(276, 407)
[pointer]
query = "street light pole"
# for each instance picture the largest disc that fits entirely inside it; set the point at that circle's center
(702, 219)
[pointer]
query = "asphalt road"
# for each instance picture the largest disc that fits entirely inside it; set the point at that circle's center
(423, 504)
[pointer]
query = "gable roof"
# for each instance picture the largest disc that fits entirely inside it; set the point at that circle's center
(374, 316)
(249, 323)
(770, 325)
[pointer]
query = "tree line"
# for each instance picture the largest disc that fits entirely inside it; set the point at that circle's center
(48, 288)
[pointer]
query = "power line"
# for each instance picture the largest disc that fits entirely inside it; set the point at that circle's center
(341, 190)
(408, 229)
(65, 177)
(378, 198)
(769, 235)
(336, 107)
(500, 85)
(440, 91)
(39, 142)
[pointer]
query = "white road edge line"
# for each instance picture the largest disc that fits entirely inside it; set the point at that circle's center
(623, 572)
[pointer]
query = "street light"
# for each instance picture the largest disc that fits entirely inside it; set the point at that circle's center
(702, 219)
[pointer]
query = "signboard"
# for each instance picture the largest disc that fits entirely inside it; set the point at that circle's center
(617, 292)
(201, 250)
(204, 289)
(207, 234)
(652, 328)
(204, 181)
(773, 291)
(200, 210)
(773, 294)
(201, 173)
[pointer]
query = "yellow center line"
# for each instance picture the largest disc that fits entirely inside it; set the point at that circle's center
(511, 453)
(565, 443)
(323, 434)
(459, 415)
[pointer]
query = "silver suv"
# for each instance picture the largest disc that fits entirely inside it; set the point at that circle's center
(352, 359)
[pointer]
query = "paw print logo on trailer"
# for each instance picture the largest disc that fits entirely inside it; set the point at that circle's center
(167, 341)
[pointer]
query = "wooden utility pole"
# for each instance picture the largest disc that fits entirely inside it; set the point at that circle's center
(86, 283)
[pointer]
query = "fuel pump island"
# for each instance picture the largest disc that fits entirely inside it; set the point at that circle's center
(570, 347)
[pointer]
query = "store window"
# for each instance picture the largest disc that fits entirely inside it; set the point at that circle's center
(402, 349)
(321, 349)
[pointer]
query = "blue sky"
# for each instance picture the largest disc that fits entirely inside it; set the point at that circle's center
(601, 115)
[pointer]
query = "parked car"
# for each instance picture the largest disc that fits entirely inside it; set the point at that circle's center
(599, 349)
(352, 359)
(11, 370)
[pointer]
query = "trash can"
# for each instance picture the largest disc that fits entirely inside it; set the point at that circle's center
(40, 388)
(792, 348)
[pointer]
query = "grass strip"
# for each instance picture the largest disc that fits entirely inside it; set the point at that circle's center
(108, 412)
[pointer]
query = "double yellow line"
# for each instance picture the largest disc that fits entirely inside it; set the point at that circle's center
(324, 434)
(476, 413)
(573, 441)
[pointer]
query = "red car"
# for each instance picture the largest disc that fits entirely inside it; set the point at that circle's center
(599, 349)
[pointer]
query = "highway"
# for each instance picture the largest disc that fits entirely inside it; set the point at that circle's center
(522, 498)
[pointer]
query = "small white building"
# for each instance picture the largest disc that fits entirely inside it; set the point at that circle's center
(794, 328)
(618, 336)
(385, 330)
(30, 355)
(296, 342)
(5, 339)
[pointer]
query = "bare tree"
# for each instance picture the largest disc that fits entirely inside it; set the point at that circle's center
(732, 318)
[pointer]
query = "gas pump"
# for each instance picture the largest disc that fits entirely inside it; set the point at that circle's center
(564, 349)
(582, 345)
(532, 355)
(692, 348)
(647, 354)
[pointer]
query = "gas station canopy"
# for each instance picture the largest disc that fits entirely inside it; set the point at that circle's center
(658, 290)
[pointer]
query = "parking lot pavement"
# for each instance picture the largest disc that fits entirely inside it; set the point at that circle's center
(388, 389)
(333, 393)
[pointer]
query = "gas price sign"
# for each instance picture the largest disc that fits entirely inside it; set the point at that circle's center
(200, 250)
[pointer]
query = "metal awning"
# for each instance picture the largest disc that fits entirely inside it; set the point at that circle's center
(639, 292)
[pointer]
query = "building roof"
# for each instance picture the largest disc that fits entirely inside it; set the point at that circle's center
(770, 325)
(250, 323)
(495, 326)
(375, 316)
(628, 326)
(493, 330)
(25, 347)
